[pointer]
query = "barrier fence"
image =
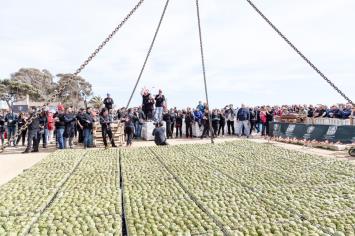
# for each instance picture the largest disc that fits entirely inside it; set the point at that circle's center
(330, 121)
(319, 132)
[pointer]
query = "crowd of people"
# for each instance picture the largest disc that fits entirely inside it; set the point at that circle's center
(70, 127)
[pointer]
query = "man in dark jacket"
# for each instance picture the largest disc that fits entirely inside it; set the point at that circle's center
(243, 121)
(86, 124)
(230, 114)
(11, 120)
(105, 120)
(43, 130)
(69, 131)
(108, 101)
(32, 133)
(59, 126)
(2, 129)
(159, 135)
(189, 119)
(159, 106)
(167, 118)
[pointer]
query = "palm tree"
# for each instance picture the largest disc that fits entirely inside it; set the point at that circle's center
(96, 102)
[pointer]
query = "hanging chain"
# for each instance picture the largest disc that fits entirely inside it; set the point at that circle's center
(109, 37)
(204, 69)
(77, 72)
(300, 53)
(148, 54)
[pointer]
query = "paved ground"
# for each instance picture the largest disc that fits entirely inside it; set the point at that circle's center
(12, 162)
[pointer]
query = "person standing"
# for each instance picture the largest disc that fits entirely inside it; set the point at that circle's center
(189, 119)
(222, 122)
(145, 106)
(173, 114)
(11, 121)
(243, 120)
(87, 124)
(80, 120)
(129, 126)
(159, 135)
(178, 123)
(230, 115)
(150, 108)
(167, 119)
(70, 121)
(215, 122)
(20, 124)
(43, 131)
(206, 125)
(2, 129)
(201, 107)
(59, 126)
(50, 126)
(269, 118)
(198, 116)
(141, 119)
(105, 121)
(253, 119)
(159, 106)
(108, 101)
(32, 133)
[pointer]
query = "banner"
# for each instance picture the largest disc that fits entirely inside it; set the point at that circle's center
(332, 133)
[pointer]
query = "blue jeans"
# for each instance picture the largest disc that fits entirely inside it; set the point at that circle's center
(87, 137)
(243, 124)
(138, 129)
(11, 131)
(158, 115)
(60, 138)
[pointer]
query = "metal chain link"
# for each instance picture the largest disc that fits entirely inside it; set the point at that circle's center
(204, 69)
(77, 72)
(148, 54)
(300, 53)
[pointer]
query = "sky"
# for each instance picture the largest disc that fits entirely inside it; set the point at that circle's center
(246, 61)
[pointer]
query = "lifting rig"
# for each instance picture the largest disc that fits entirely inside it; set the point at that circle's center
(128, 16)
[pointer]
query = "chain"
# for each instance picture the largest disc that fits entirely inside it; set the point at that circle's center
(148, 54)
(204, 69)
(300, 53)
(77, 72)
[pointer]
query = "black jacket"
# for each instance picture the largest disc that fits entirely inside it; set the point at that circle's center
(167, 118)
(11, 119)
(60, 123)
(189, 118)
(34, 124)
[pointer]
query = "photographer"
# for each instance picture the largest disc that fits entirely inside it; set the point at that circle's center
(159, 135)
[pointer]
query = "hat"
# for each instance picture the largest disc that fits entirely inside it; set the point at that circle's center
(60, 108)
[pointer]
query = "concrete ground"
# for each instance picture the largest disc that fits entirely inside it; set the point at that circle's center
(12, 162)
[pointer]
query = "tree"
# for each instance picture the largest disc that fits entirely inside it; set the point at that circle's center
(77, 89)
(96, 102)
(42, 80)
(12, 90)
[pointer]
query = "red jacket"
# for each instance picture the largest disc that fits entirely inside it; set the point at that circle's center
(50, 121)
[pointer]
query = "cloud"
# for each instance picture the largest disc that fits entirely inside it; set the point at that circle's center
(246, 61)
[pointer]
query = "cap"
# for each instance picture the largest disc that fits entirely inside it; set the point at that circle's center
(60, 108)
